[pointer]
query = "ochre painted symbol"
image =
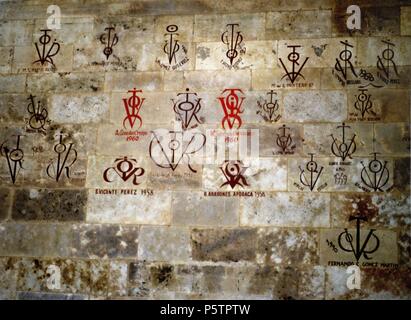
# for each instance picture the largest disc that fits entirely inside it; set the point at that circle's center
(343, 149)
(231, 105)
(109, 40)
(234, 174)
(388, 57)
(187, 110)
(268, 109)
(125, 168)
(376, 174)
(314, 173)
(363, 103)
(168, 151)
(345, 56)
(293, 57)
(284, 140)
(14, 158)
(66, 157)
(346, 239)
(43, 55)
(232, 40)
(172, 46)
(133, 105)
(38, 115)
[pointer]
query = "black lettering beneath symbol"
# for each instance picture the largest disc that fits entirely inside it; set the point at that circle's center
(187, 110)
(168, 151)
(311, 168)
(268, 109)
(346, 239)
(232, 40)
(43, 55)
(172, 46)
(345, 56)
(234, 174)
(14, 158)
(376, 174)
(125, 169)
(38, 115)
(293, 57)
(109, 41)
(388, 57)
(66, 157)
(343, 149)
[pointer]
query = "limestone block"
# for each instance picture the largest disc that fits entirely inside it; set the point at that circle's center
(6, 54)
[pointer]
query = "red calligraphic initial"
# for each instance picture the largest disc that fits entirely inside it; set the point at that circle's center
(231, 104)
(133, 106)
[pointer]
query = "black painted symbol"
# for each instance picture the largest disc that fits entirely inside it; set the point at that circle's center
(346, 239)
(363, 103)
(345, 56)
(293, 57)
(311, 168)
(233, 40)
(284, 140)
(109, 40)
(344, 148)
(14, 158)
(125, 169)
(187, 110)
(172, 46)
(268, 109)
(233, 172)
(376, 174)
(168, 151)
(38, 115)
(66, 157)
(388, 57)
(340, 178)
(43, 56)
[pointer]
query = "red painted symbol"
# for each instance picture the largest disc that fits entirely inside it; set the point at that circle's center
(233, 172)
(126, 169)
(231, 104)
(133, 106)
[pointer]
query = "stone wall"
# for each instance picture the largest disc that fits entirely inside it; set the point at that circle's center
(78, 220)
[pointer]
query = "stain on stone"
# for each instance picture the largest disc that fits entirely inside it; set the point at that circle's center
(139, 279)
(203, 53)
(402, 174)
(5, 200)
(319, 50)
(162, 275)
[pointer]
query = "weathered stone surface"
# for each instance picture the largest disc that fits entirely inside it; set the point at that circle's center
(224, 244)
(118, 279)
(79, 108)
(16, 33)
(8, 277)
(129, 206)
(12, 83)
(197, 209)
(205, 80)
(298, 24)
(405, 21)
(402, 179)
(5, 199)
(392, 139)
(150, 81)
(6, 54)
(315, 106)
(50, 296)
(57, 205)
(161, 243)
(286, 209)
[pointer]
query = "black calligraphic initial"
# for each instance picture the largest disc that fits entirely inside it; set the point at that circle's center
(14, 158)
(63, 164)
(312, 168)
(232, 44)
(43, 56)
(293, 57)
(108, 41)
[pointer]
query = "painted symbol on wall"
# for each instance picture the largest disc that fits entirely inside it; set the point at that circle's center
(268, 109)
(132, 106)
(109, 39)
(172, 46)
(52, 50)
(363, 103)
(38, 115)
(171, 149)
(386, 63)
(368, 76)
(360, 248)
(343, 148)
(231, 105)
(284, 140)
(340, 178)
(233, 172)
(311, 173)
(126, 169)
(66, 157)
(344, 63)
(232, 39)
(14, 157)
(296, 69)
(187, 110)
(376, 174)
